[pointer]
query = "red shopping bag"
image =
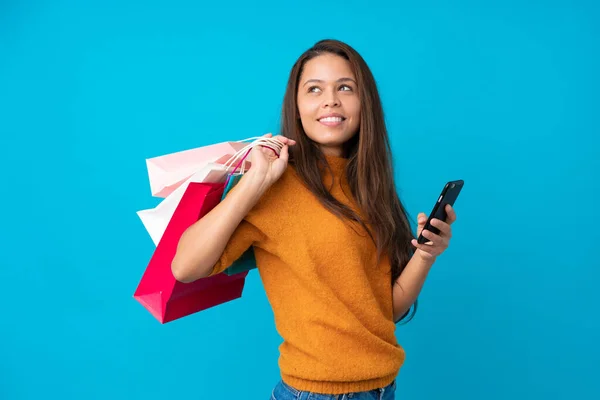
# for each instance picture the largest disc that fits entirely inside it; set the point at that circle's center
(158, 291)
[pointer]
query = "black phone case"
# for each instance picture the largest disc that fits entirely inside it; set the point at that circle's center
(448, 196)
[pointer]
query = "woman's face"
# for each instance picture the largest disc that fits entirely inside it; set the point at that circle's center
(328, 102)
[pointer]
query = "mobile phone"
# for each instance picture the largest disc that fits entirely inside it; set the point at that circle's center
(448, 196)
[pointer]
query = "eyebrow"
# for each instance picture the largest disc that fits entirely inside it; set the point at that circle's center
(321, 81)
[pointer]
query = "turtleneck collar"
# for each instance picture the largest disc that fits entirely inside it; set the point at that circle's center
(337, 163)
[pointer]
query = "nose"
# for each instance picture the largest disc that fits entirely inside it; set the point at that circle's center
(331, 99)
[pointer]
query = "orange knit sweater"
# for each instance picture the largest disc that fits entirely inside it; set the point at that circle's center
(332, 304)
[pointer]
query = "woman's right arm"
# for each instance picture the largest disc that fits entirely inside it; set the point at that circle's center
(202, 244)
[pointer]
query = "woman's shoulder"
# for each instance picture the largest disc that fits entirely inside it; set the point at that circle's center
(287, 185)
(278, 204)
(288, 189)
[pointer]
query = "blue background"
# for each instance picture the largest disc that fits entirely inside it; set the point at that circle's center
(503, 95)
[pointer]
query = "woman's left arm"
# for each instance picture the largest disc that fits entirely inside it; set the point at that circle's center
(408, 285)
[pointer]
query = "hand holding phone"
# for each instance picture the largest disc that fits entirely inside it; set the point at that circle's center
(448, 196)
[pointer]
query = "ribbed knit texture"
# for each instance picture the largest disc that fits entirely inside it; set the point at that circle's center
(332, 303)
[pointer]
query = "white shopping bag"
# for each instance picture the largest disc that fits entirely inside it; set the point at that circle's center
(168, 171)
(156, 219)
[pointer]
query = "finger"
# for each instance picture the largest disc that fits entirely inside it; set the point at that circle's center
(416, 242)
(451, 215)
(426, 247)
(269, 151)
(285, 140)
(284, 154)
(421, 220)
(444, 227)
(434, 238)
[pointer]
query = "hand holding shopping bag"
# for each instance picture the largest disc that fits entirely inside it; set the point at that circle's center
(159, 291)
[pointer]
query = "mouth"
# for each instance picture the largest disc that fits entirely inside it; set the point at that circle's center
(332, 120)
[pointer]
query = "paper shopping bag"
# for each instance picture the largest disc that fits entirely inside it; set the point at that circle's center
(244, 264)
(167, 222)
(158, 291)
(247, 261)
(156, 219)
(222, 170)
(169, 171)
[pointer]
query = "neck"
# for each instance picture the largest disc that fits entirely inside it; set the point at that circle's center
(337, 164)
(335, 151)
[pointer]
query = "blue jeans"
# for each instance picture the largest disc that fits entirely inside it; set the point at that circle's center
(283, 391)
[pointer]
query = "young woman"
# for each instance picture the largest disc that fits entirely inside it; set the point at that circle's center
(332, 241)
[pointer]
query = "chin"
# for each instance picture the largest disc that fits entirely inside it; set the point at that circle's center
(331, 138)
(328, 142)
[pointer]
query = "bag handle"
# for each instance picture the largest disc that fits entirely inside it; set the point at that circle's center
(260, 141)
(273, 144)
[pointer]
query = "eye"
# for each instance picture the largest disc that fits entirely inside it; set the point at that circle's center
(313, 89)
(346, 88)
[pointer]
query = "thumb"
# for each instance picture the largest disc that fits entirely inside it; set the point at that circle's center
(421, 220)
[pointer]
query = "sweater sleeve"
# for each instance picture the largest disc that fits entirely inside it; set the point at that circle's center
(244, 236)
(250, 232)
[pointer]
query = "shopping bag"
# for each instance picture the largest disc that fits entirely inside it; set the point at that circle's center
(158, 291)
(167, 172)
(228, 168)
(156, 219)
(246, 262)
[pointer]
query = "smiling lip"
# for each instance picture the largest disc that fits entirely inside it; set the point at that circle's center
(332, 119)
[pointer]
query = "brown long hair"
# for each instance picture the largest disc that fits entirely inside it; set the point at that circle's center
(369, 169)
